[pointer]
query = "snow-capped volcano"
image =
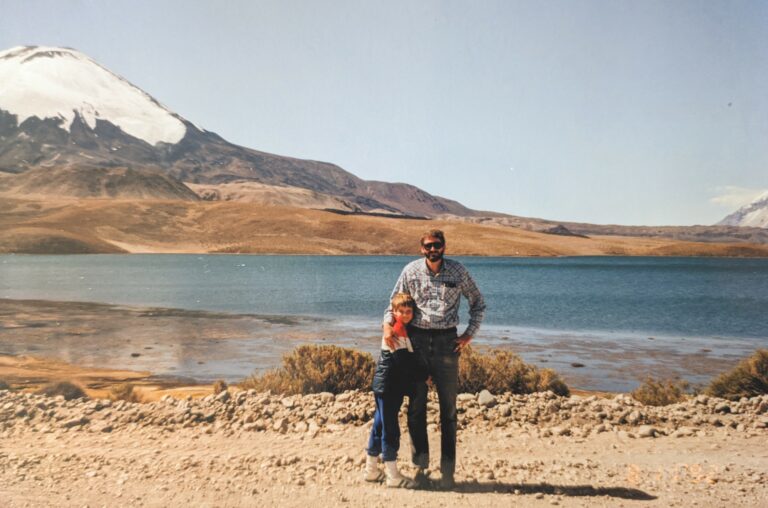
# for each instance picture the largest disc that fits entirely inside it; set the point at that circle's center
(62, 112)
(754, 214)
(62, 83)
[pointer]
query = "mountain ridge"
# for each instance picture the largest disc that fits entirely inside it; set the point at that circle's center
(93, 137)
(127, 166)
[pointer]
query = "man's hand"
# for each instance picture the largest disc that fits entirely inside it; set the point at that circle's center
(389, 336)
(462, 342)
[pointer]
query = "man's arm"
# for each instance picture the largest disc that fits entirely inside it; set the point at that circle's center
(476, 310)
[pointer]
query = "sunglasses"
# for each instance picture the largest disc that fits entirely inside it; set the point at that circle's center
(430, 246)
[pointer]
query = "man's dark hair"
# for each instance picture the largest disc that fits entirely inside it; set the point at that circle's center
(434, 233)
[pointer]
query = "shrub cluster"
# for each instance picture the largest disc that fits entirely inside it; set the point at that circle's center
(748, 379)
(503, 371)
(68, 390)
(124, 391)
(661, 392)
(314, 369)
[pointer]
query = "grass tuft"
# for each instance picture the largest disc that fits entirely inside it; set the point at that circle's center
(503, 371)
(661, 392)
(748, 379)
(314, 369)
(126, 392)
(219, 386)
(69, 391)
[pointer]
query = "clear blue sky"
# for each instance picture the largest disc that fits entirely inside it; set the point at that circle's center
(628, 112)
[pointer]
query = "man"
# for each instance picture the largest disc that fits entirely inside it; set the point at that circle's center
(436, 284)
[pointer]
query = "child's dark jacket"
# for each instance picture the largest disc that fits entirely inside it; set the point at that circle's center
(395, 372)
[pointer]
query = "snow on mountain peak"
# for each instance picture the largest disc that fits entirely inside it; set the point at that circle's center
(754, 214)
(51, 82)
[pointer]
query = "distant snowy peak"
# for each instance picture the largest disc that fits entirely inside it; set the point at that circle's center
(755, 214)
(49, 82)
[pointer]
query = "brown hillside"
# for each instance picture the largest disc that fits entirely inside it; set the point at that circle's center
(97, 225)
(84, 181)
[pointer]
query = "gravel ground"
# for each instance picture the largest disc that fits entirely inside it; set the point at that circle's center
(248, 449)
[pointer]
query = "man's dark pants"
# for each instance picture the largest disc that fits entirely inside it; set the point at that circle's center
(436, 353)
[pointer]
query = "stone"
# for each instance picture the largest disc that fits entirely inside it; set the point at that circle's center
(280, 425)
(701, 399)
(685, 432)
(223, 397)
(646, 431)
(633, 417)
(75, 422)
(103, 427)
(505, 410)
(464, 397)
(486, 399)
(722, 407)
(344, 397)
(313, 428)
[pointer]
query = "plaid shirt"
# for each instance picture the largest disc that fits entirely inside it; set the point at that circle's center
(438, 296)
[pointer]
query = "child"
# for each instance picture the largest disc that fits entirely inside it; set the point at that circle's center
(393, 380)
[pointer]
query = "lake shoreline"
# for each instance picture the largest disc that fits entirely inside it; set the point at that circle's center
(202, 346)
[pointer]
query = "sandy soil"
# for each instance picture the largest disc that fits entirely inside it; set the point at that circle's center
(252, 449)
(97, 225)
(29, 374)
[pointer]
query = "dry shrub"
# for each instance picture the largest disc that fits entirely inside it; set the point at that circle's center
(314, 369)
(503, 371)
(748, 379)
(661, 392)
(124, 391)
(4, 385)
(68, 390)
(219, 386)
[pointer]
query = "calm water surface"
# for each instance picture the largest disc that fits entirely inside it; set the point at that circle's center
(684, 304)
(674, 296)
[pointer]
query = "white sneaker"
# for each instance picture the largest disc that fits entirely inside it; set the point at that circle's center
(372, 472)
(395, 479)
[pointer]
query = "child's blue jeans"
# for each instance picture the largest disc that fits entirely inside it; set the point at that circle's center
(385, 433)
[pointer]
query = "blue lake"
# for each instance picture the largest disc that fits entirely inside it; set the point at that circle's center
(673, 296)
(684, 304)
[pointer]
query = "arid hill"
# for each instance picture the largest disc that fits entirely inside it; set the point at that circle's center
(104, 225)
(94, 182)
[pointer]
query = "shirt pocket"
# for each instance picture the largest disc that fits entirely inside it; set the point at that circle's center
(450, 291)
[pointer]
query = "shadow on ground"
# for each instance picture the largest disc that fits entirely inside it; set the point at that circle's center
(544, 488)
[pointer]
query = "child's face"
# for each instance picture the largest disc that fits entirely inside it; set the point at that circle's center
(404, 314)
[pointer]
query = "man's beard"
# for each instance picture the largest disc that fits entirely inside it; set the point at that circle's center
(434, 255)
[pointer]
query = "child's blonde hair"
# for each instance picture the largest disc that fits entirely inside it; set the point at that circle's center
(403, 300)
